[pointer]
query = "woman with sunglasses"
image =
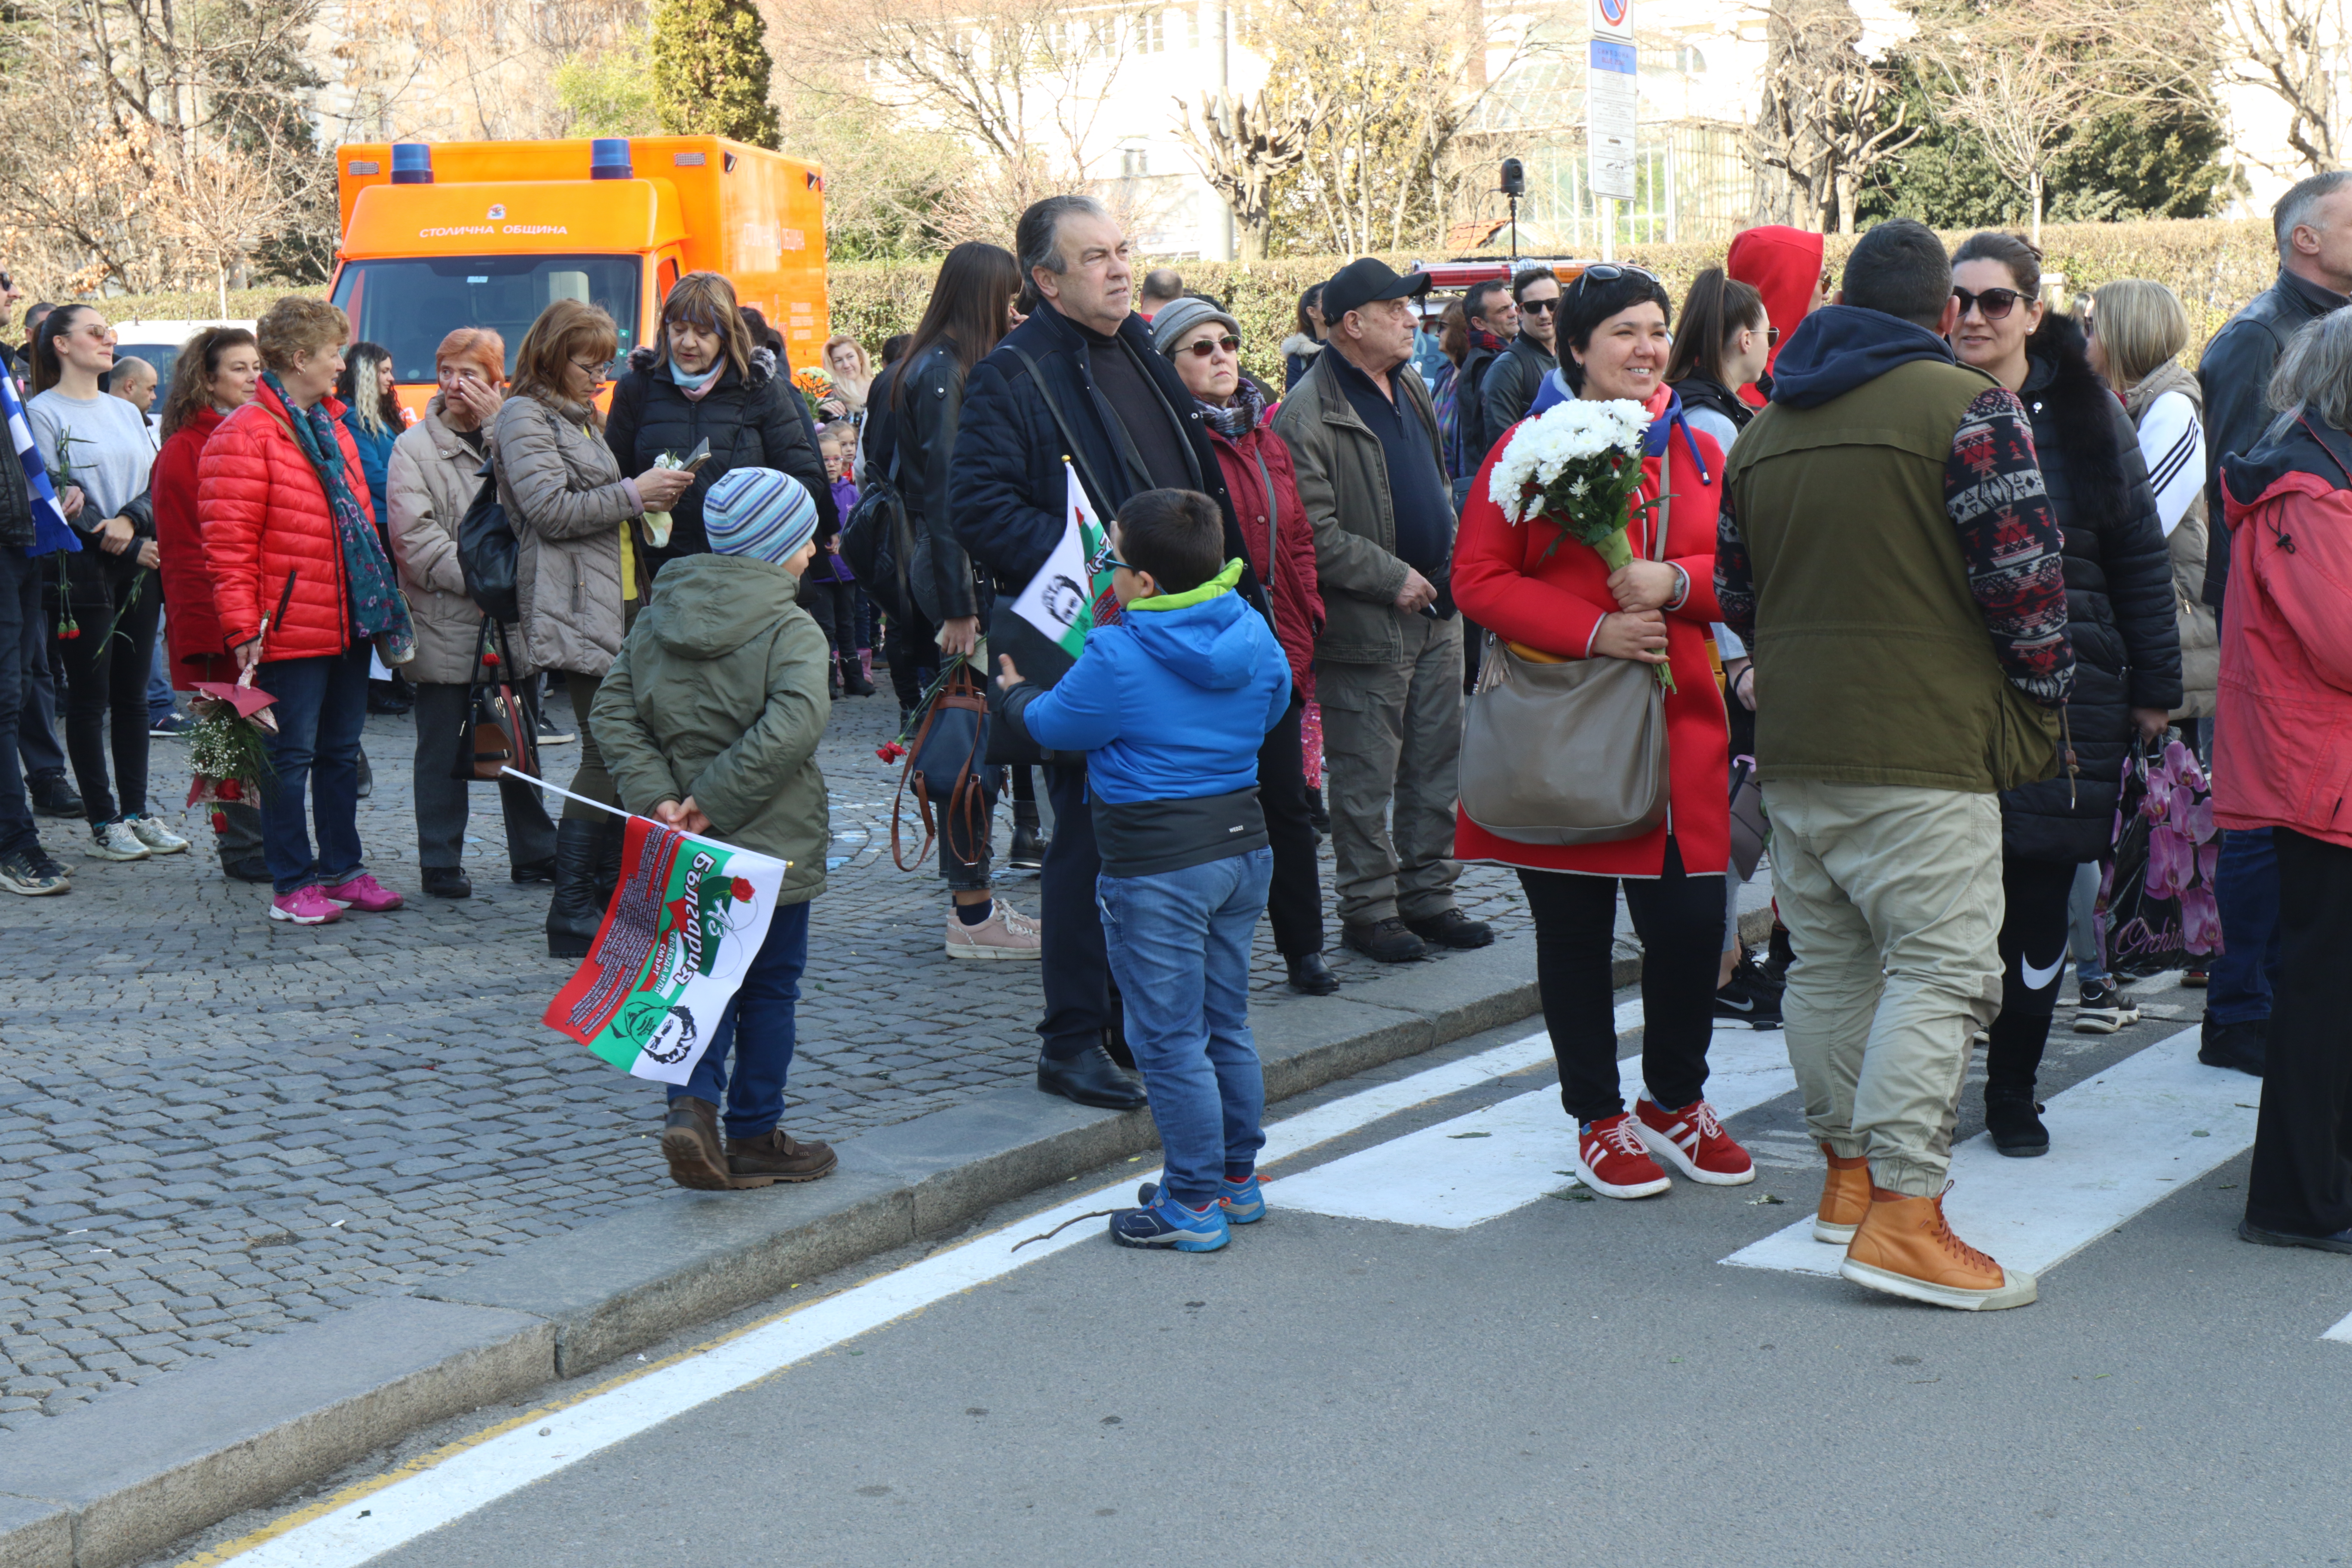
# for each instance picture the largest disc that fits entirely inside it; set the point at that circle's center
(1552, 600)
(2119, 611)
(1204, 344)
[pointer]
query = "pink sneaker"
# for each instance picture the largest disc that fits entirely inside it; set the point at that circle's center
(305, 906)
(364, 894)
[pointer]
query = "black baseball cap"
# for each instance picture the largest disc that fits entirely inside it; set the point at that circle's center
(1363, 280)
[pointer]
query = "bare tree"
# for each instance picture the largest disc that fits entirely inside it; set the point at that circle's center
(2015, 75)
(1823, 124)
(2300, 51)
(1243, 150)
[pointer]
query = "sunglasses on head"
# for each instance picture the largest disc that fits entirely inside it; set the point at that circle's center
(1201, 348)
(1610, 271)
(1993, 304)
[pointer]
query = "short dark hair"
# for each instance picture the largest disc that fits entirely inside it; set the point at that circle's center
(2014, 252)
(1475, 302)
(1178, 536)
(1163, 283)
(1898, 268)
(1590, 300)
(1037, 238)
(894, 347)
(1527, 279)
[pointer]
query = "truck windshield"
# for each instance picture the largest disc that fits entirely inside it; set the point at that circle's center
(410, 304)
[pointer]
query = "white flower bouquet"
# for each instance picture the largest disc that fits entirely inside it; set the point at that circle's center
(1579, 465)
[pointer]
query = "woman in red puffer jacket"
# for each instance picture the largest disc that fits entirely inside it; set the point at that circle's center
(1204, 344)
(217, 373)
(303, 593)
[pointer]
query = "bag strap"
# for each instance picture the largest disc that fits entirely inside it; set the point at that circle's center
(1078, 454)
(1272, 522)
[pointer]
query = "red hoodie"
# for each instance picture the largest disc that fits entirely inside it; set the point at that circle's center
(1784, 265)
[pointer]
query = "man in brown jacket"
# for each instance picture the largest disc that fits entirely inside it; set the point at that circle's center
(1364, 435)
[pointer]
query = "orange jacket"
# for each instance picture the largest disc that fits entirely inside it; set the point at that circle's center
(264, 515)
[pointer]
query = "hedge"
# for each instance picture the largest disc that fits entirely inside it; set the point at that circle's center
(2214, 264)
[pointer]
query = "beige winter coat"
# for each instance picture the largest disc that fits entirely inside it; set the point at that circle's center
(429, 485)
(570, 507)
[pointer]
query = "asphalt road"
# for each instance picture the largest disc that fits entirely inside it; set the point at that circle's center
(1573, 1381)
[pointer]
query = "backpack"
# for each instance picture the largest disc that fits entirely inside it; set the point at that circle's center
(877, 540)
(487, 552)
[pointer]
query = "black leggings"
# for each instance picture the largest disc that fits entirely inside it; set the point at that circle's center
(1679, 918)
(1294, 905)
(106, 678)
(2032, 936)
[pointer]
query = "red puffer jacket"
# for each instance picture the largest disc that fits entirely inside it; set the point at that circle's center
(1264, 484)
(191, 625)
(262, 515)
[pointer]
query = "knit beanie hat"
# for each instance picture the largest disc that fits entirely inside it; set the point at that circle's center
(759, 512)
(1180, 316)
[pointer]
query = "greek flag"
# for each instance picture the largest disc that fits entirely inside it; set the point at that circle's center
(51, 532)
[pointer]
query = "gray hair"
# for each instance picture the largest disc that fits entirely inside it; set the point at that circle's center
(1037, 240)
(2316, 372)
(2294, 207)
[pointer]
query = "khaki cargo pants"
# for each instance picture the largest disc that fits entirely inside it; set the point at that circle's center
(1893, 899)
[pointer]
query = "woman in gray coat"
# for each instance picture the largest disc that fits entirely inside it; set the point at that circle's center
(434, 472)
(579, 576)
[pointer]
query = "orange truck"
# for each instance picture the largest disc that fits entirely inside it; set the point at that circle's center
(441, 235)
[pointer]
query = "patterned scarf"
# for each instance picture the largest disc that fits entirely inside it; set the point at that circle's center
(1240, 415)
(1482, 339)
(378, 611)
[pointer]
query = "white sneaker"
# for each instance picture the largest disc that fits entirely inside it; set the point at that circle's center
(159, 839)
(115, 841)
(1006, 933)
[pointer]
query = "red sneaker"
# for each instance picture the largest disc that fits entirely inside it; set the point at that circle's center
(1610, 1161)
(1694, 1143)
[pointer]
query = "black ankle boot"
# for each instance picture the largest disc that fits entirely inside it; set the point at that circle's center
(577, 909)
(1318, 816)
(853, 675)
(1028, 850)
(2015, 1122)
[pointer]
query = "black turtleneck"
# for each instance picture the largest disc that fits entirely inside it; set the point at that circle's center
(1135, 399)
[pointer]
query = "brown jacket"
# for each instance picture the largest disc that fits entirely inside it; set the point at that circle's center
(429, 485)
(571, 508)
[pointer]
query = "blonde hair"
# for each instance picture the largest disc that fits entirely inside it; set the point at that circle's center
(296, 325)
(565, 330)
(2140, 325)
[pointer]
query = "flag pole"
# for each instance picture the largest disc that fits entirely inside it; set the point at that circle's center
(732, 849)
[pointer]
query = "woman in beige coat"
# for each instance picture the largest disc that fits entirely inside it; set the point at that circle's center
(578, 576)
(435, 469)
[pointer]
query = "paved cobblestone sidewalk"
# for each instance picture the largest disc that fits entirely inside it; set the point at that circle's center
(213, 1128)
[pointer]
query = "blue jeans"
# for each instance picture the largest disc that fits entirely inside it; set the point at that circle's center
(159, 678)
(2241, 977)
(757, 1028)
(1179, 945)
(321, 708)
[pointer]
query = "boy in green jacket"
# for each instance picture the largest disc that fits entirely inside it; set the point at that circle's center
(710, 720)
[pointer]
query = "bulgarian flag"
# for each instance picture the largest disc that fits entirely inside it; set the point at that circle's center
(685, 921)
(1071, 594)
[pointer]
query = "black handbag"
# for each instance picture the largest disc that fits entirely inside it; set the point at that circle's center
(487, 552)
(945, 768)
(877, 540)
(497, 731)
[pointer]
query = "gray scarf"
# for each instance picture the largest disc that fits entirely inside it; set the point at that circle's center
(1239, 417)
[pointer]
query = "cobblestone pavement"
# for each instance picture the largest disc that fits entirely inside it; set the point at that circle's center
(213, 1128)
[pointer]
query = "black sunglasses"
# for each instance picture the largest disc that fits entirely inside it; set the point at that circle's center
(1203, 347)
(1540, 307)
(1610, 271)
(1993, 304)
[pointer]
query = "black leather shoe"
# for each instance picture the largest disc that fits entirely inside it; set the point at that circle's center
(1090, 1077)
(2245, 1047)
(252, 868)
(52, 796)
(534, 871)
(1452, 927)
(1384, 942)
(577, 910)
(2015, 1122)
(1310, 976)
(448, 882)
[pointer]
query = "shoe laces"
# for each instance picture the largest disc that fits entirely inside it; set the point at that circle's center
(1014, 920)
(1951, 1244)
(1702, 1116)
(1620, 1136)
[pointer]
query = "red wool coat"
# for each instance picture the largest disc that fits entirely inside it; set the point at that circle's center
(263, 514)
(1270, 499)
(191, 623)
(1504, 583)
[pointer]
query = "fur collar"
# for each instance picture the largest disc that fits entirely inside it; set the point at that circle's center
(2074, 412)
(644, 359)
(1301, 345)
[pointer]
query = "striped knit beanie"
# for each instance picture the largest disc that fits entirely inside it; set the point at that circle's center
(759, 512)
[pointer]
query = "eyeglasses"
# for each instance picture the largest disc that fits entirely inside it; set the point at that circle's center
(1203, 347)
(1540, 307)
(1104, 561)
(1993, 304)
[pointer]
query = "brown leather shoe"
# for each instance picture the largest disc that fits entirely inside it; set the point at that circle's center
(689, 1142)
(1906, 1248)
(776, 1156)
(1845, 1198)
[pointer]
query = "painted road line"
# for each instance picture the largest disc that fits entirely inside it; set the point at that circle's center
(2119, 1143)
(2341, 1333)
(374, 1517)
(1504, 1156)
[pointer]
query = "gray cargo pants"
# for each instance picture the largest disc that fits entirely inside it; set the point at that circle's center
(1392, 733)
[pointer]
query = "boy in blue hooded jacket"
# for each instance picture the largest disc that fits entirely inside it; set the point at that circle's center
(1170, 703)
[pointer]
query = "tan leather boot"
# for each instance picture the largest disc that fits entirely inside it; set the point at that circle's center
(776, 1156)
(689, 1142)
(1845, 1198)
(1906, 1248)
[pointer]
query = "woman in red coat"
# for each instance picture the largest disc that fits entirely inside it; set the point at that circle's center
(217, 373)
(302, 592)
(1558, 603)
(1204, 344)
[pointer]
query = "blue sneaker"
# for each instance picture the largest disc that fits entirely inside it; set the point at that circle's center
(1164, 1222)
(1244, 1203)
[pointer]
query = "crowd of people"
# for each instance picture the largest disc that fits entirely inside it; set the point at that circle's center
(1924, 556)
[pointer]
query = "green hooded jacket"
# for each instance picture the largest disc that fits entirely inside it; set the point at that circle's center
(720, 695)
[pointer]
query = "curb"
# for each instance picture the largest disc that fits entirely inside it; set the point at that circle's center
(122, 1478)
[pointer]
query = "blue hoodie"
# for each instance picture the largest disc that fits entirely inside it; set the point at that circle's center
(1170, 702)
(1838, 347)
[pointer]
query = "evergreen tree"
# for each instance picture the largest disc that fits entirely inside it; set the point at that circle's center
(711, 71)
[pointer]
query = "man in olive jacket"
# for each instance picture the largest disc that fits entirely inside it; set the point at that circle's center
(1389, 663)
(710, 720)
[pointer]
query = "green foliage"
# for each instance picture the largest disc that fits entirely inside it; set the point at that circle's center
(609, 92)
(710, 70)
(887, 185)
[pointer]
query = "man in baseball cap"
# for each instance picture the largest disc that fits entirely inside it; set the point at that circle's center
(1363, 282)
